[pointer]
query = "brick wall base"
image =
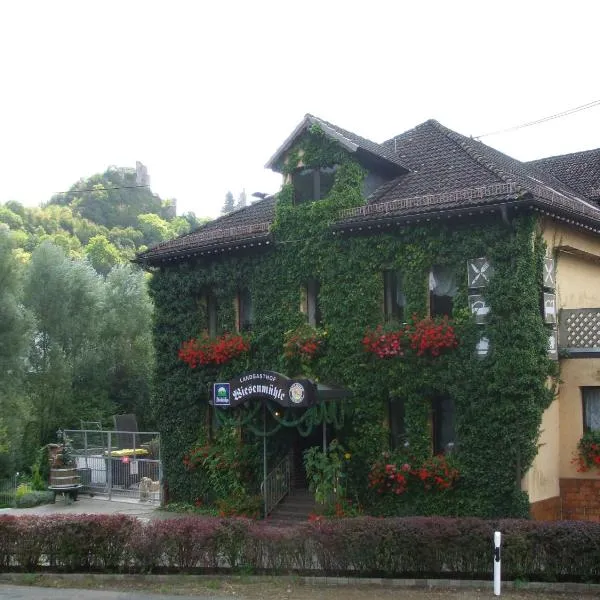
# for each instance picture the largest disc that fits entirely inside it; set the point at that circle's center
(579, 500)
(546, 510)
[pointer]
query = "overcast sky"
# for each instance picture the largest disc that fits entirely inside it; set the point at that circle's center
(203, 92)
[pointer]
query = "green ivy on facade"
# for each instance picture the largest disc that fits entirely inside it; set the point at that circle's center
(499, 399)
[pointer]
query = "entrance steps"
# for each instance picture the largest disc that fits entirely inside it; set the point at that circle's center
(293, 509)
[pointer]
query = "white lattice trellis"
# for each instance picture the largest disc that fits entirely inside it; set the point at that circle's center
(580, 328)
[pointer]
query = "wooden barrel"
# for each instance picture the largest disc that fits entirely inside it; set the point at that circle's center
(64, 477)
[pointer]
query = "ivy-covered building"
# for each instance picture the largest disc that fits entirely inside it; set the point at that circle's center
(451, 289)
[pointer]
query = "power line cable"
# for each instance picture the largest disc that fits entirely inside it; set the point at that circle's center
(542, 120)
(102, 189)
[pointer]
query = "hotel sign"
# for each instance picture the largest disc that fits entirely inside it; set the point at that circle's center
(299, 393)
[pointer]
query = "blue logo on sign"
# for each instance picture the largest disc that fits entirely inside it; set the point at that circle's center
(222, 394)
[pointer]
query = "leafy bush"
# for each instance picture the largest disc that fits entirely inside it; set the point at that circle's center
(31, 498)
(22, 490)
(419, 547)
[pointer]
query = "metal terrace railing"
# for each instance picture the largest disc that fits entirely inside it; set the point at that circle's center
(119, 464)
(8, 491)
(278, 484)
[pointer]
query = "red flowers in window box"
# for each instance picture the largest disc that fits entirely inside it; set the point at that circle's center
(430, 336)
(588, 452)
(205, 350)
(385, 344)
(435, 473)
(425, 337)
(305, 342)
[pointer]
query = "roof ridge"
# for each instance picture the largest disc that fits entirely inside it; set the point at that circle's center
(556, 156)
(462, 140)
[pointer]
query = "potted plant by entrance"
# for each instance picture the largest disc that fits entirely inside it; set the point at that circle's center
(63, 467)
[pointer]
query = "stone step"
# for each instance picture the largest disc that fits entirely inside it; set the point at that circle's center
(295, 508)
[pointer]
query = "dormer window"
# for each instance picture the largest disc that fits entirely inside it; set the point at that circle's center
(312, 184)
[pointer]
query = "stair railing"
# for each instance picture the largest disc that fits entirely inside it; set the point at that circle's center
(278, 483)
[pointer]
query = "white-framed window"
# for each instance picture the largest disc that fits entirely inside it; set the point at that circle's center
(591, 408)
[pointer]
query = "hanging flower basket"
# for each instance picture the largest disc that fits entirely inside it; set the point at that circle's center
(588, 452)
(205, 350)
(423, 337)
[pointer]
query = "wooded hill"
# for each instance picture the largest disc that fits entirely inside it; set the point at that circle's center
(75, 315)
(107, 218)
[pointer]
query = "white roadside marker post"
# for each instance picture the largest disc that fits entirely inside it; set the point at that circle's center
(497, 563)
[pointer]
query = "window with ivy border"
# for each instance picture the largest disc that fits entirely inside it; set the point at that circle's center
(443, 424)
(396, 423)
(394, 301)
(208, 301)
(245, 309)
(442, 289)
(312, 184)
(591, 408)
(310, 302)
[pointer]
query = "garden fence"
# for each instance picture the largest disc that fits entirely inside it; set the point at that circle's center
(8, 491)
(119, 464)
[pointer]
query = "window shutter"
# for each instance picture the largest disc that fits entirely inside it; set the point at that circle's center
(549, 307)
(549, 274)
(480, 308)
(479, 272)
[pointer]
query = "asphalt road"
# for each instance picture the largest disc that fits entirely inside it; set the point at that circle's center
(17, 592)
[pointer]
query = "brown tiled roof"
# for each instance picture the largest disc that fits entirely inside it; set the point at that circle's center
(240, 229)
(579, 170)
(450, 172)
(441, 173)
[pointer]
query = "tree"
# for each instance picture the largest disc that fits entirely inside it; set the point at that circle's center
(242, 200)
(66, 381)
(229, 204)
(194, 221)
(11, 218)
(103, 255)
(15, 323)
(127, 341)
(113, 198)
(154, 228)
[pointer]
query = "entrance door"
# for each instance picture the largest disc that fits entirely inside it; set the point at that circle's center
(300, 445)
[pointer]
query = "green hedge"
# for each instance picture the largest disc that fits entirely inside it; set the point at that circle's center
(421, 547)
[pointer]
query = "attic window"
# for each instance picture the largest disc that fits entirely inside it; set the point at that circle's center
(312, 184)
